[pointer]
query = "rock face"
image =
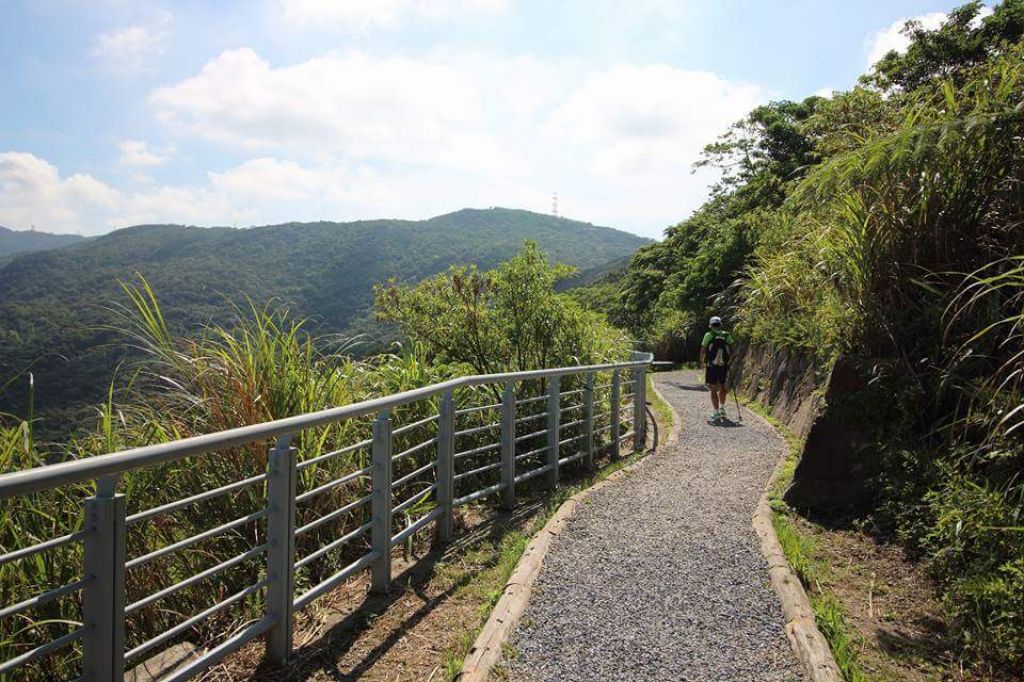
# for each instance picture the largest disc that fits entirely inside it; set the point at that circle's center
(783, 381)
(838, 459)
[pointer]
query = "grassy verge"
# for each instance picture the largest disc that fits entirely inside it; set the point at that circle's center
(801, 552)
(489, 584)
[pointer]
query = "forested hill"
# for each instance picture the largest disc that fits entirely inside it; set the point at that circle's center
(13, 241)
(53, 304)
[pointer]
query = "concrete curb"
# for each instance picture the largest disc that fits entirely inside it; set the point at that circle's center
(801, 629)
(487, 649)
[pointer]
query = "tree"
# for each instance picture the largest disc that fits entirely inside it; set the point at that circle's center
(507, 319)
(965, 39)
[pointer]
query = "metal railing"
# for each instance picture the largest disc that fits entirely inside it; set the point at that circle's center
(482, 436)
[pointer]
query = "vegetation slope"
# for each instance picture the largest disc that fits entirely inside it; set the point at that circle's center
(56, 321)
(20, 241)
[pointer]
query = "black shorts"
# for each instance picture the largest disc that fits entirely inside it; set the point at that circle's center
(716, 374)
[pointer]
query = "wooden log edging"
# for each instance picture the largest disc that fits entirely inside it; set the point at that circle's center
(487, 649)
(809, 645)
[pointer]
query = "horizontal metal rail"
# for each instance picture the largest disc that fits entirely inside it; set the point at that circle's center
(189, 541)
(337, 513)
(170, 634)
(414, 499)
(329, 584)
(416, 526)
(478, 495)
(42, 650)
(192, 580)
(200, 497)
(409, 427)
(476, 451)
(528, 436)
(481, 408)
(419, 447)
(532, 453)
(413, 474)
(474, 472)
(573, 458)
(533, 474)
(41, 599)
(532, 417)
(331, 455)
(335, 544)
(15, 555)
(347, 478)
(477, 429)
(216, 654)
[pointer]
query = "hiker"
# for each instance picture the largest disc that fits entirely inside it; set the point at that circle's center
(714, 355)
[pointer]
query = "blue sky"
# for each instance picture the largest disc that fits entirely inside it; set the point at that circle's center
(118, 112)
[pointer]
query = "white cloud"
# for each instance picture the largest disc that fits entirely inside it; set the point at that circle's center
(521, 123)
(129, 47)
(33, 193)
(640, 120)
(138, 153)
(395, 109)
(827, 93)
(352, 136)
(364, 14)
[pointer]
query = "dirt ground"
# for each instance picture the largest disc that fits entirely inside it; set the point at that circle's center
(891, 604)
(418, 631)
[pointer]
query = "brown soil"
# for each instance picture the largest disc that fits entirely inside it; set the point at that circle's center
(891, 605)
(428, 619)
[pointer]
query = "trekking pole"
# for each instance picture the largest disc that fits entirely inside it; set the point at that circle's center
(737, 399)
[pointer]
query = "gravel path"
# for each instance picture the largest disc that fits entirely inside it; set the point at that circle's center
(659, 576)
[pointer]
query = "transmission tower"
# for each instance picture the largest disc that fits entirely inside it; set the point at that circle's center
(554, 204)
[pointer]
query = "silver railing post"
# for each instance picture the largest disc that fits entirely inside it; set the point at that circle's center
(508, 447)
(103, 594)
(380, 503)
(445, 464)
(588, 417)
(553, 421)
(639, 408)
(616, 379)
(281, 547)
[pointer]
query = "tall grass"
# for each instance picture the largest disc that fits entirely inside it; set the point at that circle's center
(902, 252)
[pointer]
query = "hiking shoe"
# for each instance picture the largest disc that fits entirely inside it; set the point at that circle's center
(722, 414)
(714, 416)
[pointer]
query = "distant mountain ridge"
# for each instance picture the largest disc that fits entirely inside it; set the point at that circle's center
(54, 303)
(13, 242)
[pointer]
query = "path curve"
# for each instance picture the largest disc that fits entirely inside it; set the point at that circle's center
(659, 577)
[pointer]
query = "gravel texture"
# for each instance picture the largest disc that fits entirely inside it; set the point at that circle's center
(659, 577)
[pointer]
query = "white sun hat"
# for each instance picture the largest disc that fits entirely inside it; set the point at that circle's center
(715, 320)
